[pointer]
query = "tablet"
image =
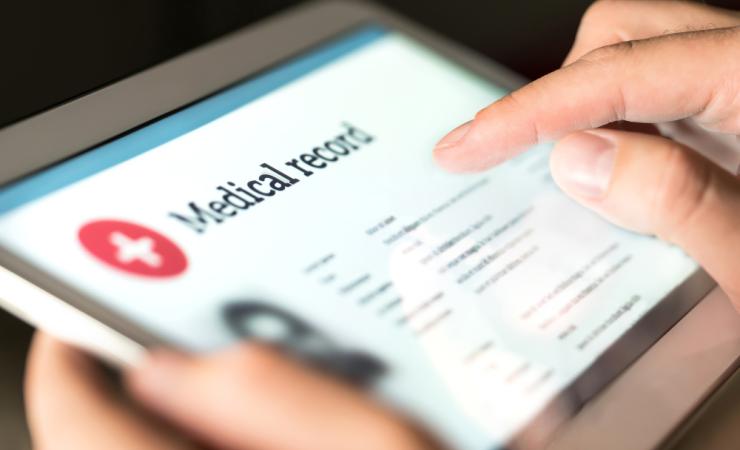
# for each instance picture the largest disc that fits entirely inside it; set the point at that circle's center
(278, 185)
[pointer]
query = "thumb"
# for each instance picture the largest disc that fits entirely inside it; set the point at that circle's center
(654, 185)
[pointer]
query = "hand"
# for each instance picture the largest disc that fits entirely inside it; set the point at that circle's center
(626, 66)
(248, 397)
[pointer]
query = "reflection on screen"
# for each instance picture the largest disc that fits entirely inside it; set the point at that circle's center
(302, 207)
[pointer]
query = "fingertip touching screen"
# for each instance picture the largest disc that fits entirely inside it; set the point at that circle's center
(302, 207)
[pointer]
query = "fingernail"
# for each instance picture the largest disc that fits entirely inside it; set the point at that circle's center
(585, 164)
(453, 137)
(157, 375)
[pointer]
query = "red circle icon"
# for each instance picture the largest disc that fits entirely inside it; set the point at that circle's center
(133, 248)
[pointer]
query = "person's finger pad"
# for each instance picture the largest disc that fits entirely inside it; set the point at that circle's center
(253, 397)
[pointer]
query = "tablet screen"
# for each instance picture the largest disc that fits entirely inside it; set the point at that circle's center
(302, 207)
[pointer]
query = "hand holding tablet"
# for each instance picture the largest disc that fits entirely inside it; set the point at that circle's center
(248, 397)
(488, 303)
(627, 69)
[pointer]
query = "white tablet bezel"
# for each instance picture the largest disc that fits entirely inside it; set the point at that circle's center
(81, 124)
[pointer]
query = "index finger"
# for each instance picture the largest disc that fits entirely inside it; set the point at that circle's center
(248, 396)
(654, 80)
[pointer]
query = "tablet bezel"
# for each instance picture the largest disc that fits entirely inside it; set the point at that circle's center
(103, 115)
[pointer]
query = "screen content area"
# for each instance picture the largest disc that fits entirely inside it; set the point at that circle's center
(303, 207)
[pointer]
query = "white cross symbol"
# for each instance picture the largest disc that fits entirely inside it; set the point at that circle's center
(130, 250)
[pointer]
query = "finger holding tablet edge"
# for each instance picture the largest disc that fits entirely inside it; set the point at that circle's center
(655, 185)
(252, 396)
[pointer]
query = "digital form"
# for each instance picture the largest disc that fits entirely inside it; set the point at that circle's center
(306, 208)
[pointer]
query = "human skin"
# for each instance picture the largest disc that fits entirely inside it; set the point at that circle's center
(638, 61)
(247, 397)
(644, 62)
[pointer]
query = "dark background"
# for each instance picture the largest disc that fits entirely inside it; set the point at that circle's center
(56, 50)
(52, 51)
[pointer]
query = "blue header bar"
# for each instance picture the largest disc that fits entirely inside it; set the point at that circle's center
(179, 123)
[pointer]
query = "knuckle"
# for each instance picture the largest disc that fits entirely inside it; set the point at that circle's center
(609, 53)
(599, 13)
(680, 192)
